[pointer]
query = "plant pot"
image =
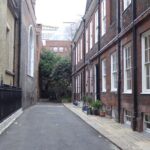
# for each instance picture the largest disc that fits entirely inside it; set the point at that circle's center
(96, 112)
(102, 113)
(84, 108)
(89, 111)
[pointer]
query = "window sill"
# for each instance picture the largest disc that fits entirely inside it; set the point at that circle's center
(145, 93)
(114, 90)
(127, 92)
(9, 73)
(30, 76)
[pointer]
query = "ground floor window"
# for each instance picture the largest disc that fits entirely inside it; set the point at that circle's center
(113, 113)
(127, 117)
(147, 122)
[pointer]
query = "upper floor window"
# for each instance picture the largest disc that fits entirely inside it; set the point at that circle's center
(126, 3)
(103, 17)
(146, 62)
(81, 48)
(55, 49)
(87, 41)
(76, 55)
(61, 49)
(31, 52)
(79, 52)
(91, 34)
(104, 75)
(114, 71)
(127, 69)
(96, 26)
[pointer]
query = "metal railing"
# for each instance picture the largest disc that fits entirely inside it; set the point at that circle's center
(10, 100)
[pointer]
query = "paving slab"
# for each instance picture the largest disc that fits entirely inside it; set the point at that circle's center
(119, 134)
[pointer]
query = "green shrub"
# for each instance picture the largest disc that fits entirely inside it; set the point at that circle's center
(96, 104)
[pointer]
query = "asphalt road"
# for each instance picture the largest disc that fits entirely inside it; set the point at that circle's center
(52, 127)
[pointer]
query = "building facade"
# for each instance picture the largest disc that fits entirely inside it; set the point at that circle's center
(19, 56)
(60, 47)
(110, 59)
(9, 43)
(28, 63)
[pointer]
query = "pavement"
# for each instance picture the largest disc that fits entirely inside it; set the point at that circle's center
(119, 134)
(52, 127)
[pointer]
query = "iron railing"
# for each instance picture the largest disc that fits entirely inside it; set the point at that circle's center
(10, 100)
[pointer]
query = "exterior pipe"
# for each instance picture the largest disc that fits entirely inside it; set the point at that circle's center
(134, 76)
(119, 64)
(19, 50)
(84, 49)
(98, 67)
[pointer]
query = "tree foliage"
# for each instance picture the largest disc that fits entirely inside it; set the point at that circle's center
(56, 71)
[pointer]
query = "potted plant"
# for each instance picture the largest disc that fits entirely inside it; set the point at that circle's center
(96, 105)
(85, 106)
(89, 101)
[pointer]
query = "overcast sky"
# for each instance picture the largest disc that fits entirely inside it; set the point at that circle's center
(55, 12)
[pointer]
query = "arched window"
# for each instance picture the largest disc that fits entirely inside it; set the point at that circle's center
(31, 52)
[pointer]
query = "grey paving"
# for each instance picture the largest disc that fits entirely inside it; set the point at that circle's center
(120, 134)
(52, 127)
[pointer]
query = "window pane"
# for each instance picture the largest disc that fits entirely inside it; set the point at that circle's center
(146, 43)
(149, 55)
(146, 56)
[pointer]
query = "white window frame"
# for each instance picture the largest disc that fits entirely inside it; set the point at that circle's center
(96, 26)
(31, 50)
(126, 3)
(104, 75)
(55, 49)
(61, 49)
(76, 85)
(76, 55)
(127, 117)
(81, 49)
(145, 90)
(78, 51)
(103, 17)
(145, 122)
(91, 34)
(87, 41)
(114, 71)
(86, 83)
(127, 68)
(91, 80)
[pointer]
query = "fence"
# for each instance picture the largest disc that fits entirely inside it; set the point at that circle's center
(10, 100)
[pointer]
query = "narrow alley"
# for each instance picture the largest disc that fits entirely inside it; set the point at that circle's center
(52, 127)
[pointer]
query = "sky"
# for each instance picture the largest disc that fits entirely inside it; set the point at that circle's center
(57, 12)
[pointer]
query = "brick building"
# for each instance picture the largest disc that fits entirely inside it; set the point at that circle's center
(62, 48)
(111, 62)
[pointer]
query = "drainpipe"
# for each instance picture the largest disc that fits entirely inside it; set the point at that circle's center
(119, 62)
(19, 50)
(99, 46)
(134, 76)
(14, 49)
(84, 42)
